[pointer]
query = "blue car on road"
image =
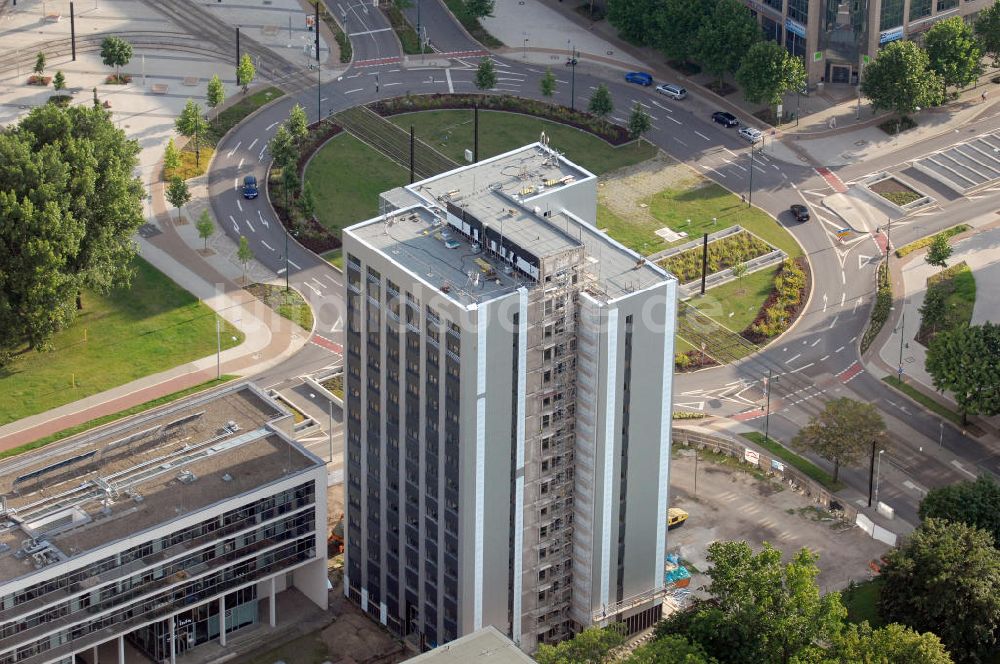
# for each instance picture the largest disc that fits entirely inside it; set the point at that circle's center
(249, 187)
(640, 77)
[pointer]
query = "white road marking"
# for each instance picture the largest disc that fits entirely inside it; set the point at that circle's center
(235, 226)
(263, 220)
(658, 105)
(293, 264)
(843, 298)
(386, 85)
(319, 283)
(250, 147)
(236, 183)
(824, 358)
(843, 277)
(335, 283)
(271, 126)
(959, 466)
(251, 227)
(839, 349)
(824, 302)
(793, 358)
(240, 165)
(311, 287)
(260, 157)
(857, 303)
(702, 135)
(447, 75)
(833, 322)
(351, 92)
(804, 366)
(368, 32)
(814, 344)
(680, 141)
(231, 152)
(325, 98)
(712, 169)
(239, 205)
(281, 271)
(775, 167)
(673, 120)
(267, 245)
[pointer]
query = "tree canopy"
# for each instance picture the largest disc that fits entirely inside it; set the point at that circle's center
(939, 252)
(671, 649)
(192, 124)
(600, 104)
(639, 122)
(205, 227)
(632, 18)
(726, 36)
(548, 83)
(768, 71)
(892, 644)
(987, 29)
(954, 52)
(900, 79)
(479, 8)
(975, 503)
(590, 646)
(945, 578)
(216, 93)
(115, 52)
(297, 123)
(282, 147)
(486, 75)
(245, 72)
(69, 207)
(178, 194)
(966, 362)
(842, 432)
(677, 26)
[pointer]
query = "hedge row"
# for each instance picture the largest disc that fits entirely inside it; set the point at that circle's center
(612, 133)
(880, 312)
(782, 305)
(692, 360)
(947, 233)
(723, 254)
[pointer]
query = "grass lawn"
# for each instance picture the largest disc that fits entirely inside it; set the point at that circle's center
(347, 177)
(960, 288)
(127, 334)
(86, 426)
(450, 132)
(289, 304)
(801, 464)
(188, 169)
(926, 242)
(924, 400)
(335, 257)
(737, 303)
(860, 602)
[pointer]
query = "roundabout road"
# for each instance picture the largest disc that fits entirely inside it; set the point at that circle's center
(817, 360)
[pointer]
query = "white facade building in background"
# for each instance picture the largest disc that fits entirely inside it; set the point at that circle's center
(153, 536)
(508, 403)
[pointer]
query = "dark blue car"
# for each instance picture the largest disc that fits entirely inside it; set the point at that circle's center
(640, 77)
(249, 187)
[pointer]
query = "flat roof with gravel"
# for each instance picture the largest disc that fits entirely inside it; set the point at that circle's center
(484, 646)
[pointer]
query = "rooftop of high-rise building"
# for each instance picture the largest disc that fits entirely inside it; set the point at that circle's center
(90, 490)
(507, 199)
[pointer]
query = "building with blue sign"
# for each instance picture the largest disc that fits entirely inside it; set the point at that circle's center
(836, 37)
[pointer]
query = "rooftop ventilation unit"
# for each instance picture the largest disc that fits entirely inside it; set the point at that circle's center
(186, 477)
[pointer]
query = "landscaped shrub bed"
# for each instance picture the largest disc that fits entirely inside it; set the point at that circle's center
(948, 233)
(895, 191)
(784, 303)
(954, 288)
(692, 360)
(892, 127)
(722, 255)
(880, 312)
(612, 133)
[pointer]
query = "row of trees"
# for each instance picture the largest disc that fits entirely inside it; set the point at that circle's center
(721, 35)
(760, 610)
(69, 206)
(286, 146)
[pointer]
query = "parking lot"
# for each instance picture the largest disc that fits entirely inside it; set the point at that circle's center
(965, 166)
(732, 504)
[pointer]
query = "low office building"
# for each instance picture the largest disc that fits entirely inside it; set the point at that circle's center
(836, 38)
(508, 389)
(166, 531)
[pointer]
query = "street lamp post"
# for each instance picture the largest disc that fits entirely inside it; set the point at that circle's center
(902, 339)
(218, 348)
(750, 197)
(878, 470)
(524, 49)
(767, 407)
(286, 260)
(572, 77)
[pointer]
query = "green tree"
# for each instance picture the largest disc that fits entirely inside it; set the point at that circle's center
(216, 93)
(298, 124)
(59, 82)
(953, 52)
(632, 19)
(191, 123)
(205, 226)
(245, 255)
(116, 52)
(548, 83)
(975, 503)
(245, 72)
(939, 252)
(934, 310)
(966, 362)
(178, 194)
(40, 63)
(987, 28)
(479, 8)
(639, 123)
(678, 23)
(761, 610)
(289, 182)
(671, 649)
(900, 79)
(590, 646)
(282, 147)
(726, 36)
(769, 71)
(601, 105)
(171, 157)
(70, 206)
(486, 75)
(842, 433)
(892, 644)
(307, 201)
(945, 578)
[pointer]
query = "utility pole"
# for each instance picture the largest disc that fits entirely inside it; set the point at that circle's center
(286, 258)
(330, 407)
(72, 29)
(704, 262)
(475, 131)
(871, 475)
(218, 347)
(319, 91)
(572, 80)
(750, 197)
(411, 154)
(316, 26)
(767, 407)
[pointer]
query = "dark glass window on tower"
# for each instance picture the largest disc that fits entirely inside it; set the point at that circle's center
(892, 14)
(944, 5)
(798, 10)
(777, 4)
(920, 9)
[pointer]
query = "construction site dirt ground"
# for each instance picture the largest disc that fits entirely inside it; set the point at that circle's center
(732, 504)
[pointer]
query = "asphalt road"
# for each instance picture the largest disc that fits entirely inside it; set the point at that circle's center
(817, 360)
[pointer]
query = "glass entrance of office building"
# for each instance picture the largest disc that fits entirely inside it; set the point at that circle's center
(197, 625)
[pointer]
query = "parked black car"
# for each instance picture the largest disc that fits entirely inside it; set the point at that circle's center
(725, 119)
